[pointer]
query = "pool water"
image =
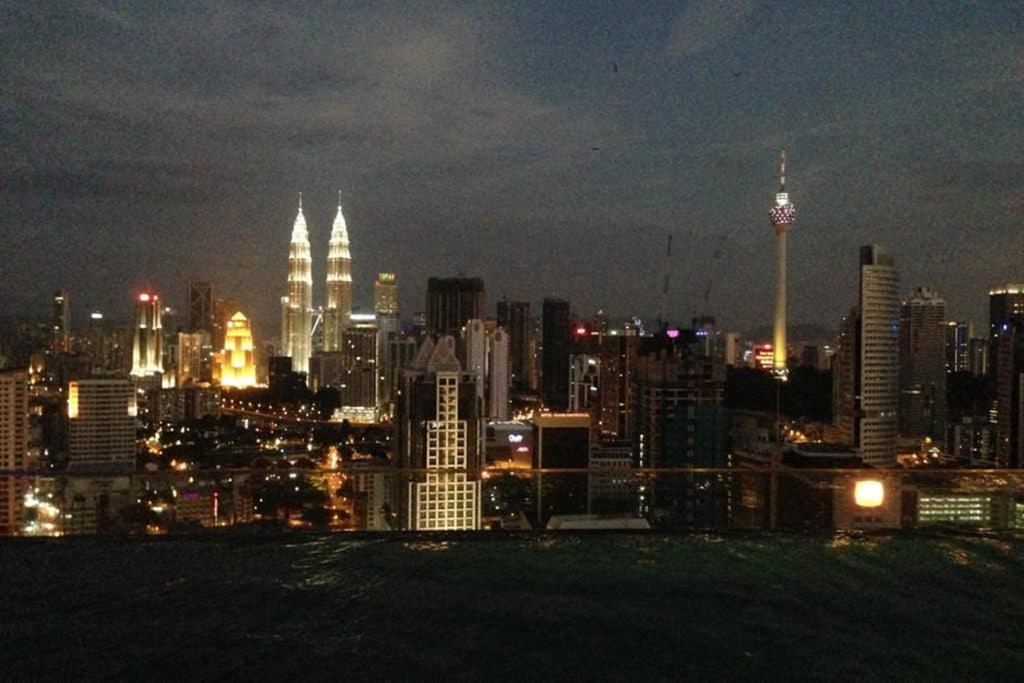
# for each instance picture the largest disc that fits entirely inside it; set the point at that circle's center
(602, 606)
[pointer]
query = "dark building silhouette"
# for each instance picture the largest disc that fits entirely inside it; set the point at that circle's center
(514, 316)
(555, 366)
(453, 301)
(1009, 387)
(200, 306)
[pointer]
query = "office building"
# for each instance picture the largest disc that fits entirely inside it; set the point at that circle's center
(385, 305)
(1005, 307)
(147, 348)
(297, 306)
(866, 365)
(359, 369)
(193, 358)
(514, 317)
(13, 448)
(61, 342)
(617, 361)
(385, 294)
(437, 419)
(452, 302)
(1009, 390)
(101, 415)
(584, 382)
(337, 315)
(498, 375)
(238, 361)
(555, 365)
(922, 366)
(958, 338)
(200, 306)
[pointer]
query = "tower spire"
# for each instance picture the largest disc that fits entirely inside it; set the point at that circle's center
(782, 171)
(300, 200)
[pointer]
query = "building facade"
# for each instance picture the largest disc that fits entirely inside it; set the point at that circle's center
(922, 366)
(101, 416)
(338, 312)
(147, 347)
(297, 306)
(13, 448)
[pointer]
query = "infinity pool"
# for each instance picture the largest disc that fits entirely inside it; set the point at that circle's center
(607, 606)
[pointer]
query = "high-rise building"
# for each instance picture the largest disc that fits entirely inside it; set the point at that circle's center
(1005, 306)
(338, 312)
(584, 382)
(13, 448)
(238, 362)
(922, 366)
(451, 302)
(680, 422)
(385, 294)
(866, 365)
(200, 306)
(782, 216)
(498, 370)
(1009, 364)
(193, 349)
(958, 338)
(297, 307)
(617, 354)
(101, 414)
(555, 366)
(385, 305)
(147, 349)
(437, 421)
(61, 322)
(514, 316)
(359, 369)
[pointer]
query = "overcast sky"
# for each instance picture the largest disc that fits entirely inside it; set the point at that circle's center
(151, 142)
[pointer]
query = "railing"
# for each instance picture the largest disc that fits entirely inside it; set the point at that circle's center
(375, 499)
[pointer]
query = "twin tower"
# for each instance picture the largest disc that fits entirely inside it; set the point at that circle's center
(297, 306)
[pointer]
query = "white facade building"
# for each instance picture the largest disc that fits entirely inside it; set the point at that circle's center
(297, 307)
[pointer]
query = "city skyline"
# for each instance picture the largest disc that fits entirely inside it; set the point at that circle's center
(442, 123)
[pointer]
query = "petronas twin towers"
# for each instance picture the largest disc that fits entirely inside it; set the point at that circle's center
(297, 307)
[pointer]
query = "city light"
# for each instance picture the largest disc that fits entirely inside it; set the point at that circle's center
(869, 493)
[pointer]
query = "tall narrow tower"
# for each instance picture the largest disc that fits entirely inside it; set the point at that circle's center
(782, 216)
(338, 312)
(297, 307)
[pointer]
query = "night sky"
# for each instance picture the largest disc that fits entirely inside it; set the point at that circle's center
(145, 142)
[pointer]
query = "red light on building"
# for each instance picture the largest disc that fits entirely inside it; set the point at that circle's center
(143, 297)
(581, 331)
(764, 357)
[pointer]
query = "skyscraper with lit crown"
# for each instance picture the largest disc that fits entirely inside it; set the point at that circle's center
(338, 312)
(782, 216)
(237, 364)
(297, 307)
(147, 348)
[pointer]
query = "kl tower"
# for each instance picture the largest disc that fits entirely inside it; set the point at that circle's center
(782, 216)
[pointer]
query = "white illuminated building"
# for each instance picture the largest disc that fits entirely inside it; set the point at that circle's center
(338, 312)
(497, 399)
(447, 499)
(297, 307)
(879, 357)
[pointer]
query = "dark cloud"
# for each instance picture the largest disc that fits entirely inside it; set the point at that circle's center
(169, 141)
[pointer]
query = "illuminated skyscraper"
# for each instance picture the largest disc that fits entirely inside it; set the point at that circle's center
(437, 420)
(192, 347)
(147, 349)
(61, 322)
(297, 307)
(238, 365)
(782, 216)
(338, 312)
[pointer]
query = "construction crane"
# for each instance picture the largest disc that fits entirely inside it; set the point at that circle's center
(663, 311)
